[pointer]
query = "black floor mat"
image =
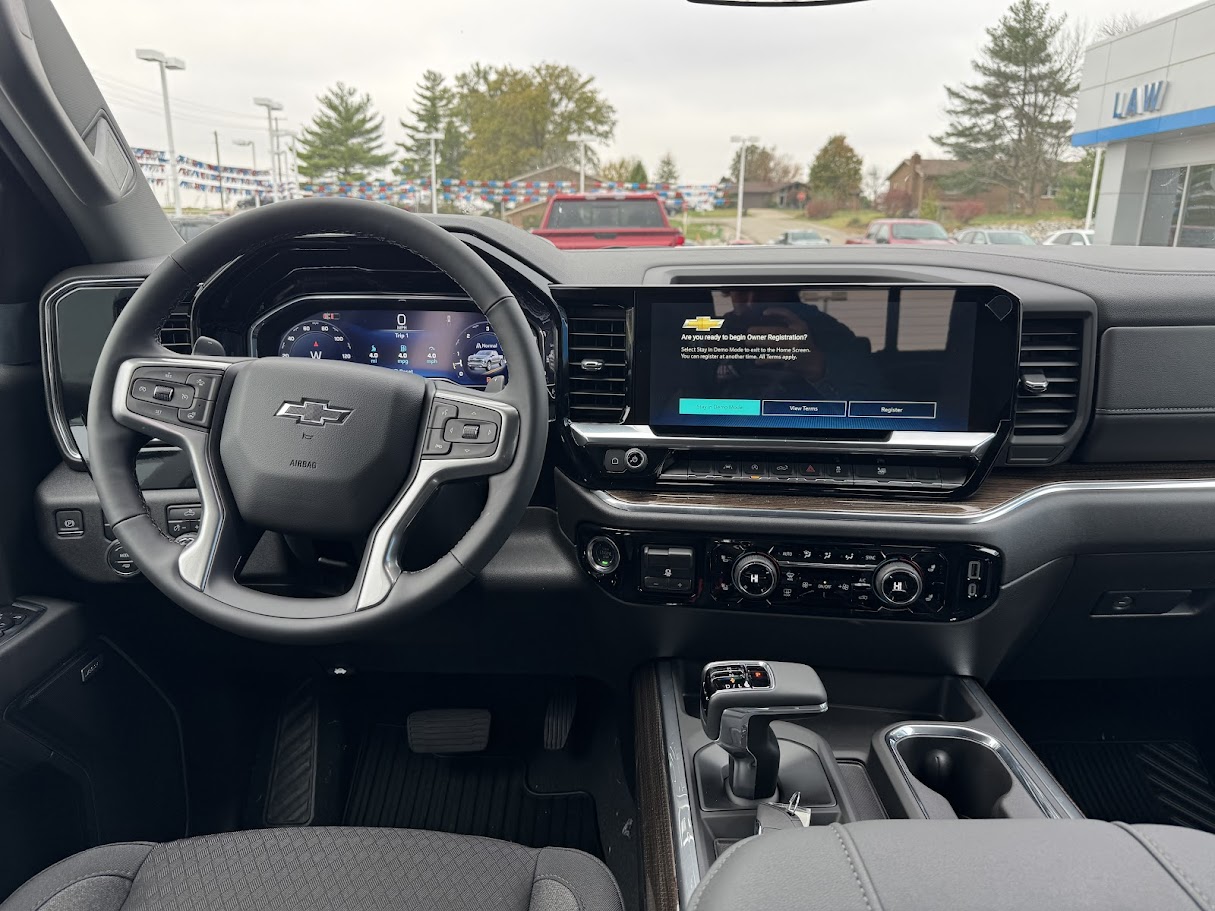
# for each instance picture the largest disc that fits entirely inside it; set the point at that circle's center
(466, 794)
(1144, 782)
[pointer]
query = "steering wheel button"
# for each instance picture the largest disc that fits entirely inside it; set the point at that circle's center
(173, 375)
(153, 410)
(205, 385)
(478, 413)
(162, 393)
(198, 414)
(442, 412)
(435, 444)
(465, 431)
(472, 450)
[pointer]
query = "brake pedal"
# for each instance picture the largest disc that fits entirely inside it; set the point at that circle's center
(559, 716)
(291, 794)
(448, 730)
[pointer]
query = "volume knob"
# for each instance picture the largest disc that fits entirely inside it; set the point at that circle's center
(898, 583)
(755, 575)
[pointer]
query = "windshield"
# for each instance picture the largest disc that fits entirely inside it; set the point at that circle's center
(1009, 237)
(1003, 115)
(919, 231)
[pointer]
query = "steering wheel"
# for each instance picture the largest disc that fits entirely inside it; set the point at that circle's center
(323, 449)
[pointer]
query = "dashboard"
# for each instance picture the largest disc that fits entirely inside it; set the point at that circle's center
(904, 459)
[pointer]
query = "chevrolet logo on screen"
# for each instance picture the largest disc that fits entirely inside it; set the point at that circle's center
(703, 323)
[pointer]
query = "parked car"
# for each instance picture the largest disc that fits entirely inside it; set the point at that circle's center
(190, 226)
(802, 238)
(575, 221)
(907, 231)
(993, 236)
(1073, 238)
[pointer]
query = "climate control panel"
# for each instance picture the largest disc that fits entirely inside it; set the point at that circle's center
(941, 582)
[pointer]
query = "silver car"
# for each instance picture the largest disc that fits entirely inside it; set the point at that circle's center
(802, 238)
(991, 236)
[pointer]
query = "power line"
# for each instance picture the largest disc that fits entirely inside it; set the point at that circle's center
(119, 85)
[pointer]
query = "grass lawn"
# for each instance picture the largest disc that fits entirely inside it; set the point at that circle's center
(706, 234)
(849, 219)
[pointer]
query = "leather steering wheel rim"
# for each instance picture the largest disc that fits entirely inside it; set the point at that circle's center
(115, 436)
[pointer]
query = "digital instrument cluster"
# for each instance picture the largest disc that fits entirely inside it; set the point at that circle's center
(454, 343)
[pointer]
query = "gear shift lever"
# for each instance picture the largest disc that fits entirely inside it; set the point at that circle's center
(739, 700)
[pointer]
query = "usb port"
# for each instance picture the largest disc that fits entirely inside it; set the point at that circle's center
(974, 570)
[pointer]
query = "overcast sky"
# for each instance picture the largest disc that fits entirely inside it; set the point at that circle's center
(683, 77)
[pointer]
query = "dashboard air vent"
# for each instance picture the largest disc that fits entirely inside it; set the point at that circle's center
(598, 364)
(175, 333)
(1051, 370)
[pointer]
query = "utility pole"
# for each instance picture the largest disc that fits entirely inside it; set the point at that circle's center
(166, 64)
(582, 143)
(742, 176)
(434, 170)
(257, 193)
(219, 167)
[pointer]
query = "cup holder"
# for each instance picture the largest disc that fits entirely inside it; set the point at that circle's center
(958, 772)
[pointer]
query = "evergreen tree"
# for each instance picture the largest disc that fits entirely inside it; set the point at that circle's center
(836, 171)
(433, 112)
(1012, 123)
(637, 173)
(345, 138)
(667, 171)
(1075, 185)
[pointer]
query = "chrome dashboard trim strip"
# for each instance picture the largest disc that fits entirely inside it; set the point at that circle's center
(909, 442)
(960, 732)
(1197, 485)
(49, 342)
(683, 829)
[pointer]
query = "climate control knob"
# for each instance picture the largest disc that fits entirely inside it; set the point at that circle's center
(898, 583)
(755, 575)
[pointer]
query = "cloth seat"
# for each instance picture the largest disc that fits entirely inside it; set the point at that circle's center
(322, 869)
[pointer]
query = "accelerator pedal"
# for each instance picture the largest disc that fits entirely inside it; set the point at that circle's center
(448, 730)
(559, 716)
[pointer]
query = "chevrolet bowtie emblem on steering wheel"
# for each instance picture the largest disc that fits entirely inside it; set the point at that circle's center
(307, 411)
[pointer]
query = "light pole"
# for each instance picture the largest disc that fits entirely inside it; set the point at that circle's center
(166, 64)
(271, 106)
(582, 144)
(434, 170)
(742, 176)
(252, 146)
(288, 171)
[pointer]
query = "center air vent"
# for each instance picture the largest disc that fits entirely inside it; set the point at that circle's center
(1051, 369)
(175, 332)
(598, 364)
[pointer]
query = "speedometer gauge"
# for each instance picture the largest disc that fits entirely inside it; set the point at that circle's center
(317, 339)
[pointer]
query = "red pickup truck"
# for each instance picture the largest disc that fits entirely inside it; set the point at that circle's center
(586, 222)
(902, 231)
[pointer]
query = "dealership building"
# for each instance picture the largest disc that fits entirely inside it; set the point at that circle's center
(1147, 104)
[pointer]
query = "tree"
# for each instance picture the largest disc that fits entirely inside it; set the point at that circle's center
(433, 112)
(1075, 184)
(836, 171)
(637, 173)
(667, 171)
(345, 138)
(518, 120)
(765, 164)
(619, 170)
(1117, 24)
(874, 180)
(1012, 123)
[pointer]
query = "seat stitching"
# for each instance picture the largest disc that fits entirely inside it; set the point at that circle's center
(855, 875)
(119, 874)
(1162, 857)
(717, 868)
(557, 879)
(602, 866)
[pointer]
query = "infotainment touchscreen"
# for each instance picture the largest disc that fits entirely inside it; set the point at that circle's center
(818, 358)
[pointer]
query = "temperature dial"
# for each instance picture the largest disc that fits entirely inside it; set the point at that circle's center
(898, 583)
(755, 575)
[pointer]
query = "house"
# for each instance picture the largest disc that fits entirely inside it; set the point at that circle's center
(918, 180)
(763, 194)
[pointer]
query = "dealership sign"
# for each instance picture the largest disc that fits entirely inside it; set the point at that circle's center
(1145, 99)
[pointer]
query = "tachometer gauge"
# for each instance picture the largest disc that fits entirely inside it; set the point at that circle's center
(317, 339)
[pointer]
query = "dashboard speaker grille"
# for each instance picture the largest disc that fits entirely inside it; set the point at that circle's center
(598, 358)
(1051, 351)
(175, 333)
